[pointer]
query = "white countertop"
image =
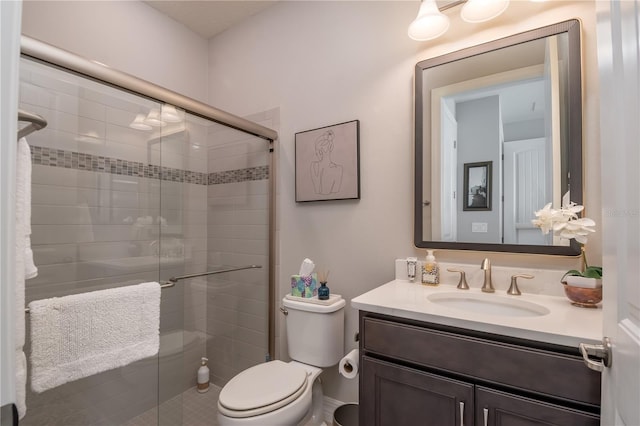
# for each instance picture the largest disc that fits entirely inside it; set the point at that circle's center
(565, 324)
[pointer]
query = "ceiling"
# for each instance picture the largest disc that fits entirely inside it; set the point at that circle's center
(210, 17)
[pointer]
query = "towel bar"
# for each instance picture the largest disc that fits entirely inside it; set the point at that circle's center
(173, 280)
(35, 121)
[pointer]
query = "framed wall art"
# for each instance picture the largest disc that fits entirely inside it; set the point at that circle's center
(327, 163)
(477, 186)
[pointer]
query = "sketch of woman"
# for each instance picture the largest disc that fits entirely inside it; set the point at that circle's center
(325, 174)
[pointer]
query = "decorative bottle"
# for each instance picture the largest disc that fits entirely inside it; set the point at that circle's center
(203, 376)
(430, 270)
(323, 291)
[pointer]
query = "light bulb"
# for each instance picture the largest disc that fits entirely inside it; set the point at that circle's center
(170, 114)
(139, 124)
(153, 119)
(475, 11)
(430, 22)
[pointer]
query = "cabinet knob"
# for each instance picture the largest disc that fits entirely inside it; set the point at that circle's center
(462, 414)
(485, 412)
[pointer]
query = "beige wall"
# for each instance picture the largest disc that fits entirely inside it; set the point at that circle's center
(126, 35)
(329, 62)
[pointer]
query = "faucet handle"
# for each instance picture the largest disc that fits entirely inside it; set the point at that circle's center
(513, 289)
(462, 284)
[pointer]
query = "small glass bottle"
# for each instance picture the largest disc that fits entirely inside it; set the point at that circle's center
(323, 291)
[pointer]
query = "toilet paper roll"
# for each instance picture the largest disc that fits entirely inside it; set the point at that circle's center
(349, 364)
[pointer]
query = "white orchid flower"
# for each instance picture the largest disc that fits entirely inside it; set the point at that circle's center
(578, 229)
(545, 219)
(564, 222)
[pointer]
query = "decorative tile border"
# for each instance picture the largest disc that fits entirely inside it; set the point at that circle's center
(241, 175)
(96, 163)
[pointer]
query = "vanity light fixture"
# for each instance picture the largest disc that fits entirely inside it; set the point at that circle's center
(432, 23)
(475, 11)
(139, 124)
(170, 114)
(153, 119)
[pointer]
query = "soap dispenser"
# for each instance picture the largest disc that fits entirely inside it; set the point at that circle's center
(203, 376)
(430, 270)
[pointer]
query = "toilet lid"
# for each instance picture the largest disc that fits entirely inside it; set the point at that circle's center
(262, 388)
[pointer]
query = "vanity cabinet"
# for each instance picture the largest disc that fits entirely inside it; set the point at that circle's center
(417, 373)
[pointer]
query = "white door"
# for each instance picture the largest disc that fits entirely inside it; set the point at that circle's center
(618, 44)
(449, 180)
(524, 190)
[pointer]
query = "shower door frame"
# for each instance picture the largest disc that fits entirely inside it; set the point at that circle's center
(64, 59)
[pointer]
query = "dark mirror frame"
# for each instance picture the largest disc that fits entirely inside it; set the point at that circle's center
(572, 28)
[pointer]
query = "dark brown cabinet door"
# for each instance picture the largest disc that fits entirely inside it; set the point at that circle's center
(394, 395)
(503, 409)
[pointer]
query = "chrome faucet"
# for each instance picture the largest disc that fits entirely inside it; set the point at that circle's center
(487, 285)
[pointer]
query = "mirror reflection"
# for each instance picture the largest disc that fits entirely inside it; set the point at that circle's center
(498, 137)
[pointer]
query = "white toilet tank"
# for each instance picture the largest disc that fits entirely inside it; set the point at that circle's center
(315, 332)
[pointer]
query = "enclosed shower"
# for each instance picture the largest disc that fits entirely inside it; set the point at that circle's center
(133, 183)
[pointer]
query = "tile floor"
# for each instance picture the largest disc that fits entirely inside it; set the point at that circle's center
(189, 409)
(198, 409)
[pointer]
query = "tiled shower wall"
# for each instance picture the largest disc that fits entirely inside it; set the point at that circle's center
(116, 206)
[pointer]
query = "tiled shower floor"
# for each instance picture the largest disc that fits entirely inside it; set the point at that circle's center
(189, 409)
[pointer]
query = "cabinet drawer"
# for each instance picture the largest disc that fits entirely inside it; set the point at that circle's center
(542, 372)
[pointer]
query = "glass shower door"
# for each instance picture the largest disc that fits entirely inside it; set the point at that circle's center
(95, 208)
(128, 190)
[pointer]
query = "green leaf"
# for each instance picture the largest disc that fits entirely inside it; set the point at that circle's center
(573, 273)
(593, 272)
(589, 272)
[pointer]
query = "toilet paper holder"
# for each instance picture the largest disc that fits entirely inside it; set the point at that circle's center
(349, 365)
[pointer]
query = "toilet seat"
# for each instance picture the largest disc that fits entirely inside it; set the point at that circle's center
(262, 389)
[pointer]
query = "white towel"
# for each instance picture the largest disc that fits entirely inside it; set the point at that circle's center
(23, 230)
(84, 334)
(21, 383)
(24, 186)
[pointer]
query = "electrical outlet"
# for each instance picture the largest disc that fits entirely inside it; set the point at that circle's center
(479, 227)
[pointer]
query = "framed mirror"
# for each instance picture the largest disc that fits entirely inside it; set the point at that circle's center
(498, 134)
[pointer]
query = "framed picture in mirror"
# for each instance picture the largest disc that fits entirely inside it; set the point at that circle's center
(477, 186)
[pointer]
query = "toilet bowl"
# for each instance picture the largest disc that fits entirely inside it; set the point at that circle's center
(273, 393)
(288, 394)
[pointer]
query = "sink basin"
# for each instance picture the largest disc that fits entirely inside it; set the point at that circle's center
(490, 304)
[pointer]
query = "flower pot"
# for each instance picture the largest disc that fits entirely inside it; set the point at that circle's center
(584, 282)
(582, 296)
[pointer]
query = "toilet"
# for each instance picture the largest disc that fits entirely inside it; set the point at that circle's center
(289, 393)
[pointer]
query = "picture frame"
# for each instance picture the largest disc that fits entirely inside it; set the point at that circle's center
(477, 186)
(327, 163)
